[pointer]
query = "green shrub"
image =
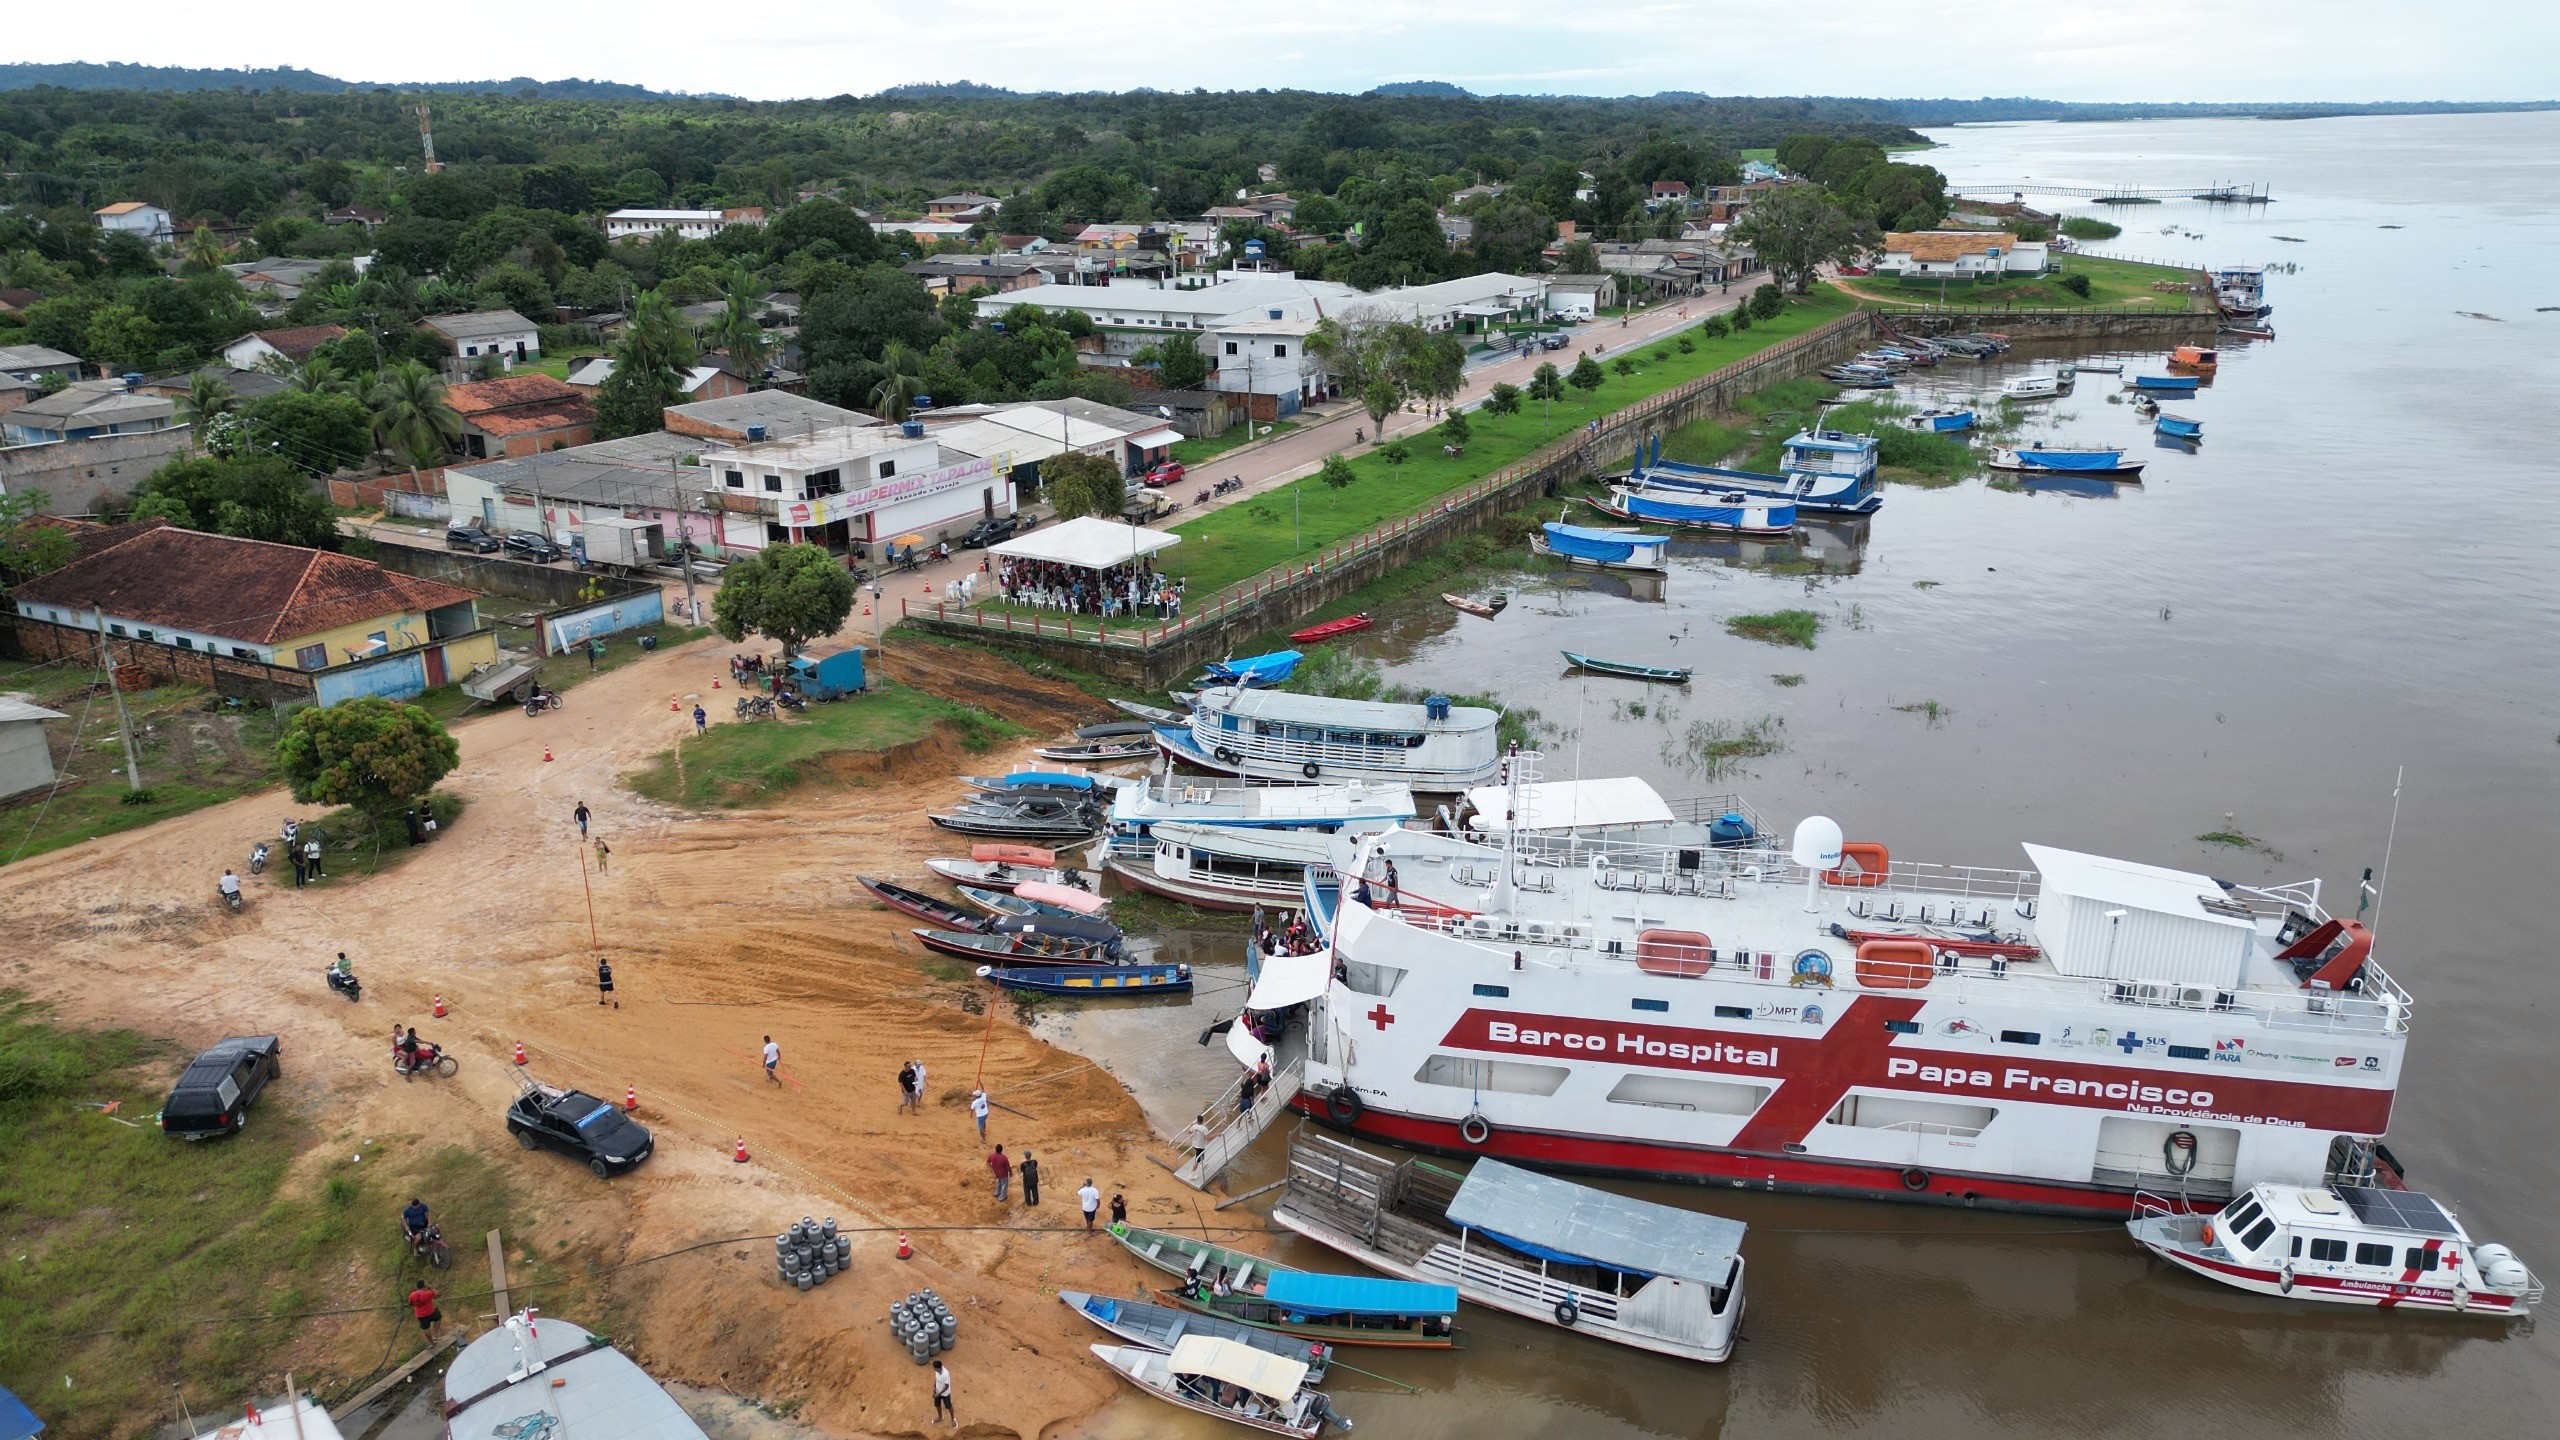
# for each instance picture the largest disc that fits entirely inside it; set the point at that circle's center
(2077, 285)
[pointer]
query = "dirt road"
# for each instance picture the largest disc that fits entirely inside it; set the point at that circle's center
(722, 929)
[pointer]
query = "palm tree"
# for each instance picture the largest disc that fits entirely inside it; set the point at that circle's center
(205, 251)
(898, 378)
(316, 376)
(410, 416)
(208, 395)
(656, 338)
(736, 331)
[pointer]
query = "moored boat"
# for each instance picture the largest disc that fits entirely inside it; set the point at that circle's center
(1632, 1272)
(1332, 629)
(1726, 512)
(1486, 609)
(1099, 752)
(1024, 947)
(1002, 867)
(1113, 729)
(1033, 897)
(1253, 671)
(1622, 668)
(1152, 714)
(1161, 1327)
(1273, 735)
(2031, 387)
(1336, 1309)
(2375, 1245)
(1940, 419)
(1823, 472)
(2076, 462)
(1092, 979)
(2168, 384)
(941, 913)
(1226, 1381)
(1020, 822)
(1602, 547)
(2194, 357)
(2178, 427)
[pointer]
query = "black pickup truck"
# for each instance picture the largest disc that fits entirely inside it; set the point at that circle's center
(547, 1117)
(213, 1095)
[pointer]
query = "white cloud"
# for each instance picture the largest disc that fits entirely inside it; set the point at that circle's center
(2158, 50)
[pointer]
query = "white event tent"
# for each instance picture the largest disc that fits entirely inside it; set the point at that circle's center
(1087, 542)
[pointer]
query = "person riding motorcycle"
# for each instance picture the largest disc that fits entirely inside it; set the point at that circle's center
(409, 1047)
(414, 1221)
(230, 885)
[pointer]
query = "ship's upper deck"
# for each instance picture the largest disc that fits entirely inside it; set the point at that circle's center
(2078, 931)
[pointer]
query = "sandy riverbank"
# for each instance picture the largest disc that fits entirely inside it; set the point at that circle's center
(722, 929)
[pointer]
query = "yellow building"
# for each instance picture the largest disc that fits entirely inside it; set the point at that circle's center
(358, 628)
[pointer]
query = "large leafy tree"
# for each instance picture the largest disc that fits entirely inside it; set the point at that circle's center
(1797, 229)
(370, 754)
(790, 593)
(254, 496)
(858, 319)
(29, 547)
(1083, 485)
(318, 432)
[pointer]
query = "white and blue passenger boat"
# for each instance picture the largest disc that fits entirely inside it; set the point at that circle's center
(1603, 547)
(1272, 735)
(2074, 462)
(1723, 512)
(1354, 807)
(1825, 472)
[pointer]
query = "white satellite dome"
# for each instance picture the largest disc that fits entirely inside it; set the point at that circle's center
(1817, 843)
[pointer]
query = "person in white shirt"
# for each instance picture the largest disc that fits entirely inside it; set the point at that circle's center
(1090, 1199)
(942, 1395)
(772, 1060)
(978, 1109)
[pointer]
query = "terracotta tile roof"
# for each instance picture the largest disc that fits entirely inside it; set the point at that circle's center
(566, 415)
(123, 207)
(473, 397)
(299, 342)
(247, 590)
(1945, 245)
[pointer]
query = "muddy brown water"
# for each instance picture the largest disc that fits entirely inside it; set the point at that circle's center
(2350, 575)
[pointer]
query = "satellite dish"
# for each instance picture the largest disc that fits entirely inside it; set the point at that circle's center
(1817, 843)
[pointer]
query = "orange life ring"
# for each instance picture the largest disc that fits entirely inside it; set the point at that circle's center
(1873, 861)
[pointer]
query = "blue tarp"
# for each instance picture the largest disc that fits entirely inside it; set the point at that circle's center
(1053, 779)
(1557, 1257)
(2072, 459)
(17, 1422)
(1583, 543)
(1268, 669)
(1315, 1294)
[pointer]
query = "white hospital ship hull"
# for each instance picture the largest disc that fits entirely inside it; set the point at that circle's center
(1567, 1033)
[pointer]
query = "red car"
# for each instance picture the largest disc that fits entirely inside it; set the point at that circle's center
(1168, 473)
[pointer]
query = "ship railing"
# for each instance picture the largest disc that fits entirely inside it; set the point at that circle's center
(2182, 1220)
(1928, 1127)
(1236, 1128)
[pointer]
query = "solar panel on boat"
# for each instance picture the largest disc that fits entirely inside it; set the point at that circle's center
(2397, 1209)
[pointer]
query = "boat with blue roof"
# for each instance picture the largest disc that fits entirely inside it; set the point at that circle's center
(1603, 547)
(2093, 462)
(1825, 472)
(1721, 512)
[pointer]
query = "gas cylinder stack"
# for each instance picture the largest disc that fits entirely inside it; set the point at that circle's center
(810, 1252)
(923, 1324)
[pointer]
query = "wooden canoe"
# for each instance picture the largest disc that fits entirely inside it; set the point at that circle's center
(1621, 668)
(922, 906)
(1096, 980)
(1485, 608)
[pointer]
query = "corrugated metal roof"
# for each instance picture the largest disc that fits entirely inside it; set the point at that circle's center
(2131, 883)
(1595, 1225)
(582, 1392)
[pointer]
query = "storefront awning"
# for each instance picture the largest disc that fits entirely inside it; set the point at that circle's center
(1154, 438)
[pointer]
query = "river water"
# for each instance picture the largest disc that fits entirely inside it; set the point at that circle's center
(2351, 575)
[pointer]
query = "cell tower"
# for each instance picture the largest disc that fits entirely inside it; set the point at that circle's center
(427, 142)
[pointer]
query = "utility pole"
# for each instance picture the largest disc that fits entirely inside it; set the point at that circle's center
(124, 721)
(684, 542)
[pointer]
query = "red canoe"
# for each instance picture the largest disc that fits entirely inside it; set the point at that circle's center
(1329, 629)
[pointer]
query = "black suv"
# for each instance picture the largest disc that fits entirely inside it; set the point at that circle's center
(471, 538)
(533, 547)
(578, 1125)
(991, 530)
(212, 1095)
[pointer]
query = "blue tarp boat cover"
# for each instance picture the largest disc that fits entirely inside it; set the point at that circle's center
(1050, 779)
(2073, 459)
(17, 1422)
(1268, 669)
(1314, 1294)
(1580, 1223)
(1584, 543)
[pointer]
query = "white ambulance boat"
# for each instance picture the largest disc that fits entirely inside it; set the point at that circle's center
(2347, 1245)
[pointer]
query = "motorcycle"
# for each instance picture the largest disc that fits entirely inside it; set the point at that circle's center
(791, 700)
(428, 1245)
(754, 707)
(430, 1060)
(1230, 485)
(230, 898)
(1201, 499)
(346, 983)
(541, 700)
(258, 858)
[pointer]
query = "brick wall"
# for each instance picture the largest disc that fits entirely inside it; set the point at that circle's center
(140, 666)
(370, 492)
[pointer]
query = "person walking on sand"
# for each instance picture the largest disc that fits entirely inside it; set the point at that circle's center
(1030, 1179)
(942, 1395)
(311, 856)
(422, 1304)
(301, 873)
(604, 983)
(1089, 1199)
(604, 852)
(772, 1060)
(1119, 1208)
(907, 1088)
(1001, 1168)
(978, 1109)
(701, 722)
(580, 815)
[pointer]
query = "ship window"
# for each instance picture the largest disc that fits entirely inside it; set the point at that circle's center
(1663, 1005)
(1679, 1092)
(2375, 1255)
(1914, 1117)
(2333, 1252)
(2021, 1037)
(2421, 1258)
(1736, 1012)
(2258, 1234)
(1902, 1027)
(2239, 1216)
(1510, 1077)
(1497, 992)
(2189, 1052)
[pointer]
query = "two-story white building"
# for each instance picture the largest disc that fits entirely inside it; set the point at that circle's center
(851, 487)
(691, 224)
(133, 217)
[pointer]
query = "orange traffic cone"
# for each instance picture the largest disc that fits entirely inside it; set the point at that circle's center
(866, 609)
(741, 1156)
(519, 1052)
(672, 705)
(630, 1097)
(715, 683)
(905, 1251)
(546, 754)
(439, 1007)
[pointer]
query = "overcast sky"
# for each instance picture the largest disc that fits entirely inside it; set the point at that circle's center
(2055, 49)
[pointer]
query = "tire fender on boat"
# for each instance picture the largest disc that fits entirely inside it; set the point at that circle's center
(1915, 1179)
(2284, 1278)
(1311, 769)
(1567, 1313)
(1475, 1130)
(1343, 1104)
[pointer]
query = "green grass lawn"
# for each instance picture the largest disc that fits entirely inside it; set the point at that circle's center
(1242, 540)
(2113, 285)
(754, 761)
(1192, 452)
(195, 752)
(121, 1237)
